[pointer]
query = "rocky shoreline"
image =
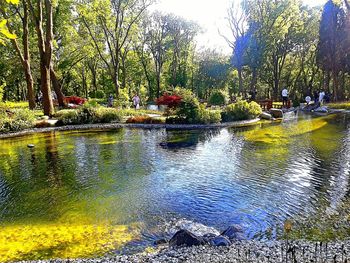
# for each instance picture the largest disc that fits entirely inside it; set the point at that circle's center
(239, 251)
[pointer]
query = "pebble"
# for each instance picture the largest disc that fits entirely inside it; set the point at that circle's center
(240, 251)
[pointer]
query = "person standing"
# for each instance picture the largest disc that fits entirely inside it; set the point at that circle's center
(285, 97)
(136, 101)
(110, 100)
(321, 97)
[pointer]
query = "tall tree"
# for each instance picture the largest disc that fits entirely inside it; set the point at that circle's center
(330, 53)
(24, 53)
(114, 22)
(44, 20)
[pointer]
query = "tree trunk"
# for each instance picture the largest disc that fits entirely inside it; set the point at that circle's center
(45, 51)
(327, 79)
(335, 86)
(240, 81)
(158, 84)
(45, 89)
(57, 88)
(30, 85)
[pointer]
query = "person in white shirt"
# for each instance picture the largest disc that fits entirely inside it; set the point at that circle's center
(321, 97)
(308, 100)
(136, 101)
(285, 97)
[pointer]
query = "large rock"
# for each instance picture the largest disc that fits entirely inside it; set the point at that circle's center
(266, 116)
(196, 228)
(233, 232)
(220, 241)
(323, 109)
(276, 113)
(185, 238)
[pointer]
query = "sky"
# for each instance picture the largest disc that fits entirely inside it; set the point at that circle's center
(210, 15)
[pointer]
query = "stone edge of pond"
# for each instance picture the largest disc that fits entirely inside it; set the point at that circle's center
(107, 126)
(240, 251)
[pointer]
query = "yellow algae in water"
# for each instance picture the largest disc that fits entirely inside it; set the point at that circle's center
(61, 241)
(279, 134)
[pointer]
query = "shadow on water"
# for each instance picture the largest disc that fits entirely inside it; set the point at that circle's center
(126, 185)
(176, 139)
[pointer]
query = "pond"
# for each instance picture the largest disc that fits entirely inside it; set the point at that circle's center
(83, 194)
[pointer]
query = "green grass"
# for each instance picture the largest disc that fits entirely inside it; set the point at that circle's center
(340, 105)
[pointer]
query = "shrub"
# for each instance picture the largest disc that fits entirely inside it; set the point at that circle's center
(218, 98)
(66, 117)
(241, 110)
(171, 101)
(106, 115)
(16, 120)
(188, 110)
(88, 114)
(75, 100)
(208, 116)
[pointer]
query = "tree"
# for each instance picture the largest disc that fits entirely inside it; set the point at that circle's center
(24, 53)
(114, 22)
(330, 53)
(237, 21)
(45, 47)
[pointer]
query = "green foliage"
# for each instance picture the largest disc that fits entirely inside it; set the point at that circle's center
(88, 114)
(2, 86)
(241, 110)
(66, 117)
(98, 94)
(190, 111)
(206, 116)
(218, 98)
(16, 120)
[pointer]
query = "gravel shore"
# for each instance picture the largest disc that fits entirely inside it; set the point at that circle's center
(240, 251)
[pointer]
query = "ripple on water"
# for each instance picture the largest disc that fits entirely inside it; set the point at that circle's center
(217, 178)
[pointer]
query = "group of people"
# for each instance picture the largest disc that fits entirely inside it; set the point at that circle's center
(320, 97)
(135, 101)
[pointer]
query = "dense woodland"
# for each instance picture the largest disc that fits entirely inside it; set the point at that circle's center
(94, 48)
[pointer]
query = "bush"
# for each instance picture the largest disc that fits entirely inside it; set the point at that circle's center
(106, 115)
(218, 98)
(208, 116)
(16, 120)
(191, 112)
(75, 100)
(188, 110)
(88, 114)
(241, 110)
(66, 117)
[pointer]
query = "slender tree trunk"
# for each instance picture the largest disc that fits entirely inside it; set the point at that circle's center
(240, 81)
(335, 85)
(327, 78)
(57, 88)
(158, 84)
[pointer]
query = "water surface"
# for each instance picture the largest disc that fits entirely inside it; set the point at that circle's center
(81, 194)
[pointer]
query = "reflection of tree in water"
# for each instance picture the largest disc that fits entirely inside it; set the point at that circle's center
(176, 139)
